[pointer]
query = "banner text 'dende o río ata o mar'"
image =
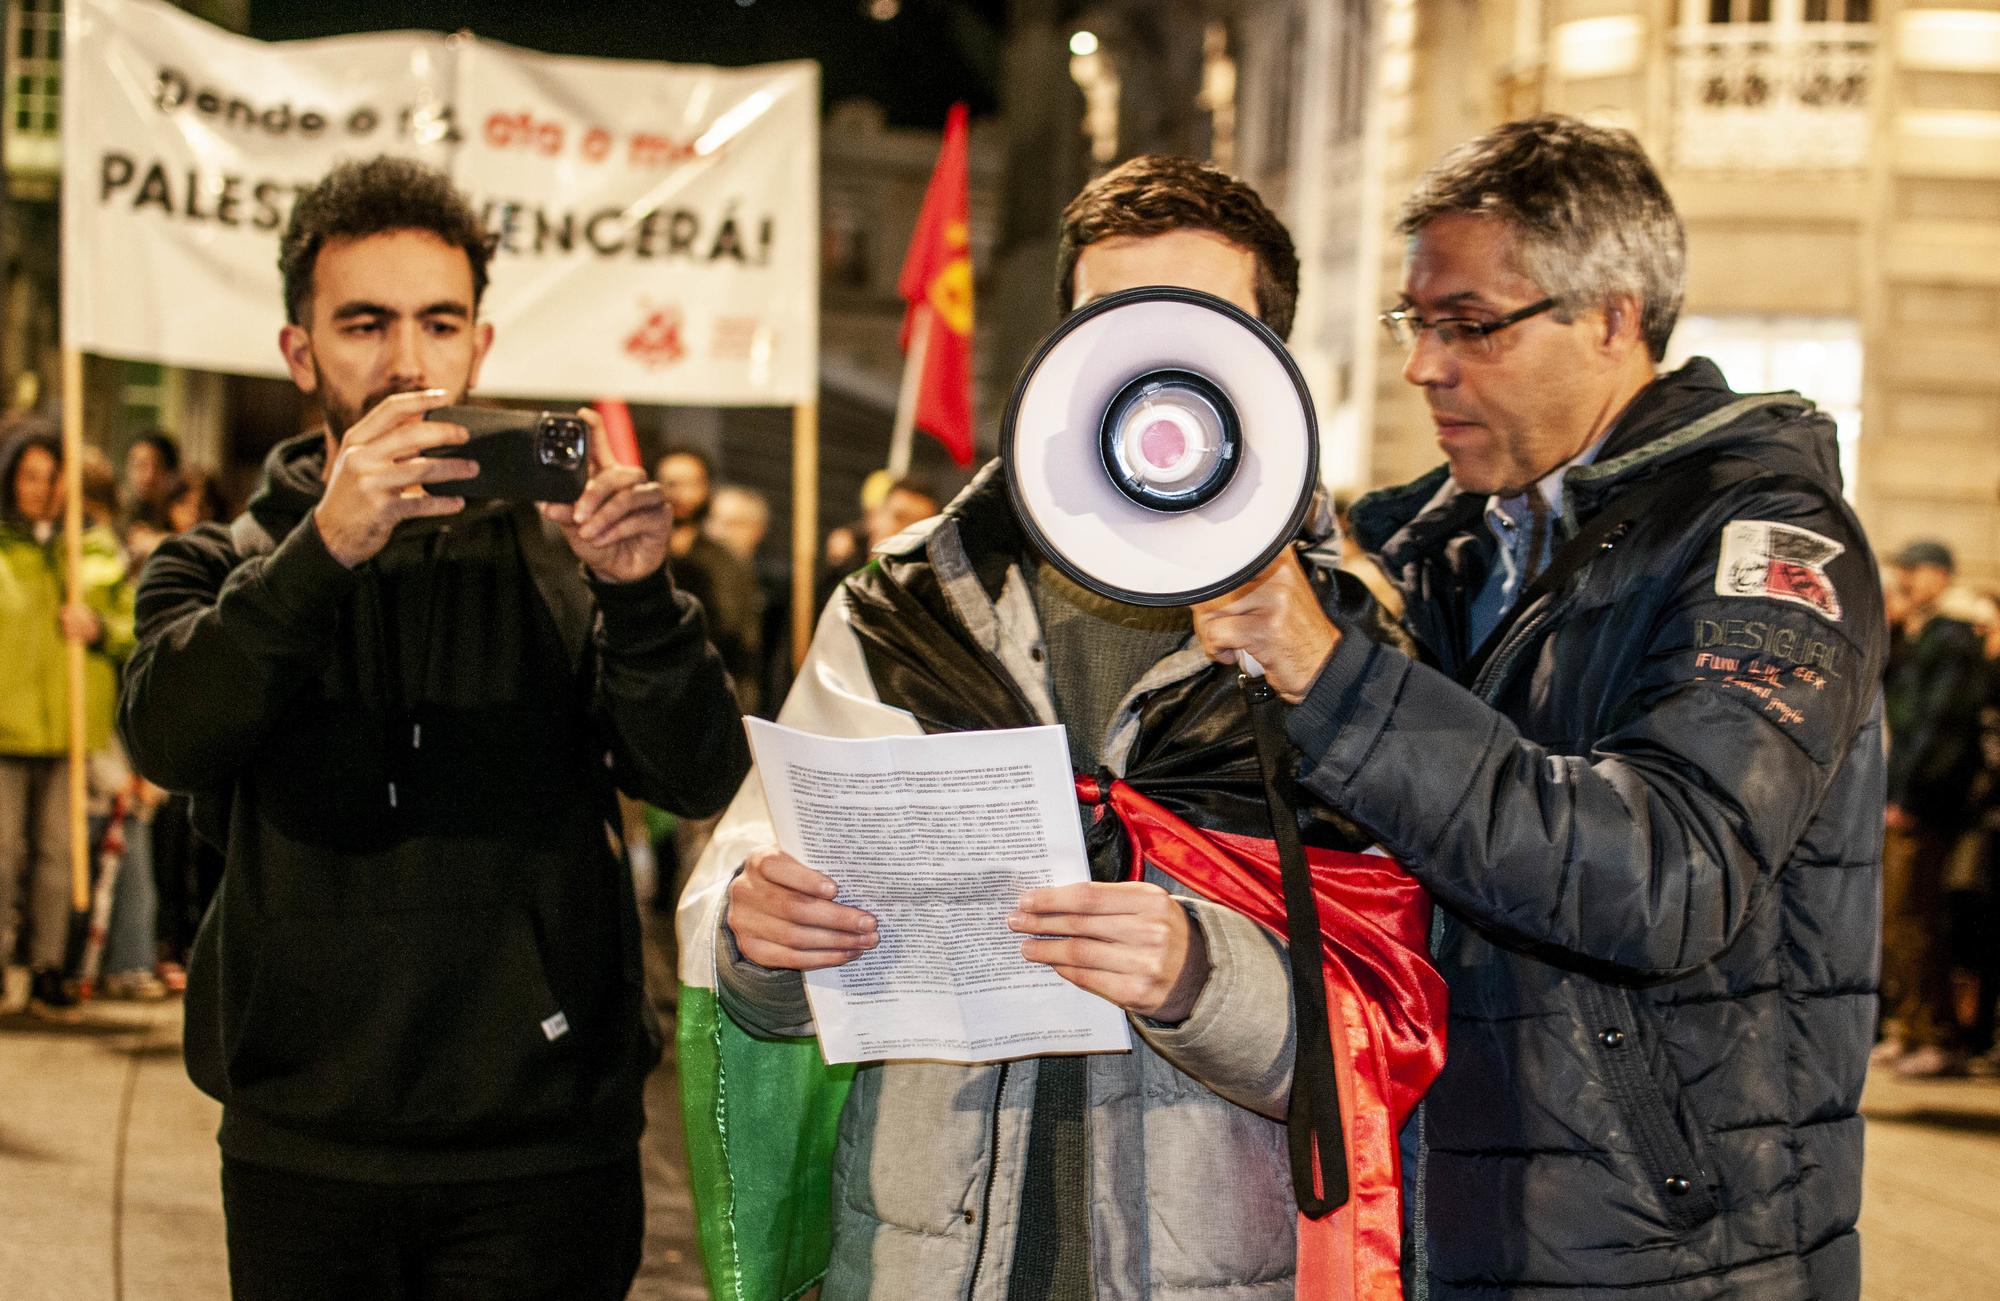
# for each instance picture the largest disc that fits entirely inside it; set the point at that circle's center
(655, 224)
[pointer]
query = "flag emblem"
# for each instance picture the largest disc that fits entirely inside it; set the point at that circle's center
(936, 283)
(1766, 559)
(657, 341)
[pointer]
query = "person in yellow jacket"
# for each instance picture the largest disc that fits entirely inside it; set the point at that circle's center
(34, 702)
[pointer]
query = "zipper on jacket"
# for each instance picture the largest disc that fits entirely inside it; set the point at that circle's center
(1420, 1247)
(1486, 687)
(1501, 663)
(1000, 671)
(1497, 669)
(986, 1194)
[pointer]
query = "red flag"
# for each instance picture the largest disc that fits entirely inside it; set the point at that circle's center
(617, 418)
(1385, 1002)
(937, 274)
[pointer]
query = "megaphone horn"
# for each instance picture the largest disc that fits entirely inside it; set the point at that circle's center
(1160, 449)
(1160, 446)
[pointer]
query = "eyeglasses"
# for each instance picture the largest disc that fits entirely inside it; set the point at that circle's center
(1459, 334)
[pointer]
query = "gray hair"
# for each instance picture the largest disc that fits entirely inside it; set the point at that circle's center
(1591, 219)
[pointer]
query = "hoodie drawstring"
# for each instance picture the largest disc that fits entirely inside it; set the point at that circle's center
(403, 706)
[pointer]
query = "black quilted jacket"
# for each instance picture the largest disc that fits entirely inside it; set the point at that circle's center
(1653, 825)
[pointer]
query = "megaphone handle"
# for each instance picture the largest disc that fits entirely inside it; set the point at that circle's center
(1248, 663)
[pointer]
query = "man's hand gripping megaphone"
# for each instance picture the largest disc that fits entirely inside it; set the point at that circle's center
(1271, 627)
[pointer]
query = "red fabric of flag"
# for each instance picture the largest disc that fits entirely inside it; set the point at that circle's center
(1385, 1002)
(937, 274)
(618, 431)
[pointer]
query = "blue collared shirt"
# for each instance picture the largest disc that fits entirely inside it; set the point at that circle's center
(1524, 526)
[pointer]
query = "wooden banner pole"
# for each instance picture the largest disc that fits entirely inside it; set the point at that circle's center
(805, 525)
(73, 650)
(901, 434)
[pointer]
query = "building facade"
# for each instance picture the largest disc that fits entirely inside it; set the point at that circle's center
(1274, 91)
(1837, 163)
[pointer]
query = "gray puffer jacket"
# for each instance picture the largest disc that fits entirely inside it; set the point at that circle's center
(1189, 1182)
(1653, 827)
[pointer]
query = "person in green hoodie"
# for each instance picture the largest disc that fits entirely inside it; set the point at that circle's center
(34, 706)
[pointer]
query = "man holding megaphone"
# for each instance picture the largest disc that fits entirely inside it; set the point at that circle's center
(1639, 764)
(1159, 449)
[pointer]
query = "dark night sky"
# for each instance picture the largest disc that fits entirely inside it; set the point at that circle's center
(914, 65)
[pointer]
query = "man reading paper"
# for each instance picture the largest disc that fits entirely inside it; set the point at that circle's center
(1157, 1173)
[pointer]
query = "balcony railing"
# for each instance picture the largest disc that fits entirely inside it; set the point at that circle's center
(1759, 97)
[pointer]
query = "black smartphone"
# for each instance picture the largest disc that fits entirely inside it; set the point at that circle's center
(522, 455)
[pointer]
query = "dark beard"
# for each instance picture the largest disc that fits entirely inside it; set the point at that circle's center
(341, 417)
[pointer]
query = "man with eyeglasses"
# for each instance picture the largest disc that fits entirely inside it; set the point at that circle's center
(1638, 762)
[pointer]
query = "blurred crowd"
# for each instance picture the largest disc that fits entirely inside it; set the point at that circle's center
(1941, 848)
(152, 878)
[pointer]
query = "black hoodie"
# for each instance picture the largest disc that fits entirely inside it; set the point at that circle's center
(423, 960)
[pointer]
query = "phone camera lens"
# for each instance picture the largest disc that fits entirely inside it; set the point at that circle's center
(560, 444)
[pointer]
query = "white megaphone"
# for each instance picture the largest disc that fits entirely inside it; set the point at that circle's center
(1160, 449)
(1160, 446)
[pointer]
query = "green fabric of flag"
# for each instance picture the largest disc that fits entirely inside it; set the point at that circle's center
(761, 1118)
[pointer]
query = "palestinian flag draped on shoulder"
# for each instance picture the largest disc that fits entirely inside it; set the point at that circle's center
(761, 1113)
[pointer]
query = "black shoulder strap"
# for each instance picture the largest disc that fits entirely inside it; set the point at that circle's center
(1316, 1143)
(1670, 494)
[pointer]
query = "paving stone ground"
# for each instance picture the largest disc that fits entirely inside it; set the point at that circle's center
(108, 1175)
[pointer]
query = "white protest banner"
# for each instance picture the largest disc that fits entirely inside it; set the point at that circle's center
(657, 224)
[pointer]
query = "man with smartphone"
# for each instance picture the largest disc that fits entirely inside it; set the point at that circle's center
(406, 713)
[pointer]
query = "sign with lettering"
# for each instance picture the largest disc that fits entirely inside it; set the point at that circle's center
(656, 225)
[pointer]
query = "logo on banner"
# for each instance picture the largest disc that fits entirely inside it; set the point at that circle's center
(1761, 558)
(657, 342)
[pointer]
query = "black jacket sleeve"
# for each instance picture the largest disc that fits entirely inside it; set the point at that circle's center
(663, 701)
(224, 643)
(1647, 848)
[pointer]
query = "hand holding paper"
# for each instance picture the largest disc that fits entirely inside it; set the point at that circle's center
(903, 859)
(783, 916)
(1127, 941)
